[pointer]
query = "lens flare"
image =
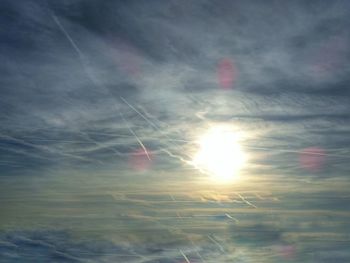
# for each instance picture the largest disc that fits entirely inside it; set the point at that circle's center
(312, 159)
(226, 73)
(141, 160)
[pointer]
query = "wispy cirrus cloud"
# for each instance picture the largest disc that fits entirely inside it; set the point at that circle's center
(98, 89)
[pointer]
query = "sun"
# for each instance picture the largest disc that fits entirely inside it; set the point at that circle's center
(220, 155)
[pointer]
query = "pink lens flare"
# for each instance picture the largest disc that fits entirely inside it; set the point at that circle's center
(127, 58)
(329, 58)
(285, 251)
(312, 158)
(227, 73)
(141, 160)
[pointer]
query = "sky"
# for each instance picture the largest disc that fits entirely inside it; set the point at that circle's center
(102, 104)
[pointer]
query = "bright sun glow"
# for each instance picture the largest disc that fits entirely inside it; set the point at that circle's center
(220, 154)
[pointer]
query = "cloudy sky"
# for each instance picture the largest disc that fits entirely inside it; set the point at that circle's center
(102, 104)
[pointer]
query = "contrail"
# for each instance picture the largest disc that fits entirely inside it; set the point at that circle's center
(92, 77)
(82, 58)
(183, 254)
(197, 250)
(216, 243)
(172, 197)
(155, 127)
(45, 148)
(139, 113)
(231, 217)
(176, 156)
(137, 138)
(64, 31)
(246, 201)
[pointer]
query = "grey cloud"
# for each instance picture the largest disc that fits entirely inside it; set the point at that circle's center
(84, 82)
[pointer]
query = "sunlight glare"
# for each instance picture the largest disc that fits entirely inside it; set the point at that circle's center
(220, 154)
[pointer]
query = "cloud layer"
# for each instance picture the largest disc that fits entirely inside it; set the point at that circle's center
(119, 91)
